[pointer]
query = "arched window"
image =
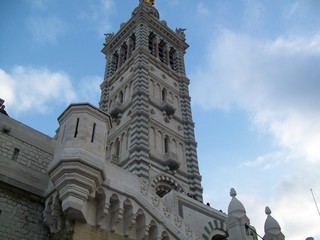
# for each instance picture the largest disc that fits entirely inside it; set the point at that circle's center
(140, 224)
(153, 231)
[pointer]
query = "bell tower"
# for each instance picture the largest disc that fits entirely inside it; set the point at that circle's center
(145, 91)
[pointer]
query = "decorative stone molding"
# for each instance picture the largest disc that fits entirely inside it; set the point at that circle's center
(113, 158)
(75, 181)
(168, 108)
(171, 161)
(116, 109)
(177, 222)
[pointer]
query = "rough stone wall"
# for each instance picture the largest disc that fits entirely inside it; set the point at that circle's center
(87, 232)
(21, 215)
(29, 155)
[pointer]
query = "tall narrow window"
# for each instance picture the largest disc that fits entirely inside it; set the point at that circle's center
(121, 97)
(93, 131)
(132, 45)
(123, 53)
(172, 58)
(117, 146)
(162, 51)
(163, 95)
(76, 130)
(114, 63)
(15, 154)
(166, 144)
(152, 44)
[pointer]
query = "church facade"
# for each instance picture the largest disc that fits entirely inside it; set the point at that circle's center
(125, 170)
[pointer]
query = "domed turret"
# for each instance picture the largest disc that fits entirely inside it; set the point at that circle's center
(238, 224)
(271, 227)
(235, 208)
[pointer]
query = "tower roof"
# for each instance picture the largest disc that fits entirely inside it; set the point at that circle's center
(148, 5)
(235, 208)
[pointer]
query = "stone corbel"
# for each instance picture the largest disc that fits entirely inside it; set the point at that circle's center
(52, 214)
(102, 213)
(131, 223)
(117, 219)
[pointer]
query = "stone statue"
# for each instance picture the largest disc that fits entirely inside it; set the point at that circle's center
(180, 32)
(148, 1)
(108, 36)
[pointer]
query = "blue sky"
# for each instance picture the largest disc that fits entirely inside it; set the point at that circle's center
(255, 88)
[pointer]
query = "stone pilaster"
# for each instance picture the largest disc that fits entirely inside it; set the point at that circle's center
(191, 151)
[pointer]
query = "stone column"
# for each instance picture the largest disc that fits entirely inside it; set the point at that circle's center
(168, 54)
(157, 41)
(128, 48)
(119, 58)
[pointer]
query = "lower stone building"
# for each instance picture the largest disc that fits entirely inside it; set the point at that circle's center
(125, 170)
(63, 188)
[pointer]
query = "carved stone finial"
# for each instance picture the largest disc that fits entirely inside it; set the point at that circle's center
(268, 211)
(233, 192)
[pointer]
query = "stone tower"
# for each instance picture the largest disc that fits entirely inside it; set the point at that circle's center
(145, 91)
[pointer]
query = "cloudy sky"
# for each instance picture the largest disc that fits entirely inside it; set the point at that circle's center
(254, 67)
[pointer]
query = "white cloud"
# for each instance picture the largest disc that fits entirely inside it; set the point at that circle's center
(276, 81)
(202, 9)
(46, 29)
(30, 89)
(269, 160)
(39, 89)
(254, 13)
(98, 15)
(292, 204)
(40, 4)
(89, 89)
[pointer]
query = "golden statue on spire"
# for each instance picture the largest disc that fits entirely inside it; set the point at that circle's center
(149, 1)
